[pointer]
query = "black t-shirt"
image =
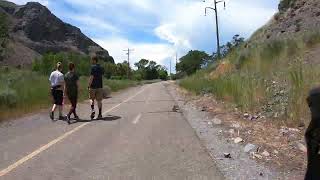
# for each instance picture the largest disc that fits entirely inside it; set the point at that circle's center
(97, 73)
(71, 79)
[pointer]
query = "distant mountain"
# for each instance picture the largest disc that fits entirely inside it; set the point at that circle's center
(32, 30)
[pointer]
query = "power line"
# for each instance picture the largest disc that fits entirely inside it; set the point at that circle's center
(128, 53)
(217, 22)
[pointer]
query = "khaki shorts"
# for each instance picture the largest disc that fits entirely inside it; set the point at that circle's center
(96, 94)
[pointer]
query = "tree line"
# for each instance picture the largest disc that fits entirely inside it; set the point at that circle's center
(145, 69)
(195, 60)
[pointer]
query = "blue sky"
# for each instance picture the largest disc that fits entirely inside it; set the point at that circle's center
(157, 29)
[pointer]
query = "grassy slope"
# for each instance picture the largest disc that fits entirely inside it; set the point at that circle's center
(24, 91)
(271, 77)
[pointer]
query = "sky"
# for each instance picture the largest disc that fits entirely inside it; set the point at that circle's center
(158, 29)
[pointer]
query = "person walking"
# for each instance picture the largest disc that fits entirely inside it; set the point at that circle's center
(57, 85)
(71, 90)
(95, 87)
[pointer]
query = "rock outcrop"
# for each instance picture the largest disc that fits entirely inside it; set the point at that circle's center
(294, 17)
(34, 30)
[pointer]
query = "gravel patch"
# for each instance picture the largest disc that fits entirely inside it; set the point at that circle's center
(230, 157)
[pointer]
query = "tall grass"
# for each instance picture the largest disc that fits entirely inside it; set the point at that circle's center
(268, 77)
(23, 91)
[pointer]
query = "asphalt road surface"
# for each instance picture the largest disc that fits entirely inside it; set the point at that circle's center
(140, 138)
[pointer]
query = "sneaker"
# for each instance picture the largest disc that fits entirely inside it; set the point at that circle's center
(93, 113)
(52, 116)
(76, 118)
(100, 117)
(62, 118)
(68, 119)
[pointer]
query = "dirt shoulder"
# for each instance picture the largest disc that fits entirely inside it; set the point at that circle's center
(259, 148)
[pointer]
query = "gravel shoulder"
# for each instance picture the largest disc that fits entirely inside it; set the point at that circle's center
(226, 136)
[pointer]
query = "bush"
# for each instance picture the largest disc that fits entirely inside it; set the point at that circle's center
(8, 98)
(285, 4)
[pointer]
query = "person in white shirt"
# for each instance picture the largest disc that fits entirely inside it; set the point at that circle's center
(57, 86)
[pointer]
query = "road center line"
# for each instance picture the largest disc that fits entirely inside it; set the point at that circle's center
(55, 141)
(136, 120)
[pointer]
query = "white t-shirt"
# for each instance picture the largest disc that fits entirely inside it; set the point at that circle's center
(56, 78)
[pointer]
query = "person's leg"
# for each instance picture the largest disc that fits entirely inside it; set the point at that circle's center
(60, 108)
(100, 109)
(60, 104)
(53, 109)
(92, 98)
(99, 97)
(75, 107)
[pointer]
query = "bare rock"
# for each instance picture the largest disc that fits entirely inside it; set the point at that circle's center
(250, 147)
(217, 121)
(236, 125)
(238, 140)
(231, 131)
(301, 147)
(266, 153)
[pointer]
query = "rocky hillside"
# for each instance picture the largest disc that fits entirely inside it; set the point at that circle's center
(31, 30)
(294, 17)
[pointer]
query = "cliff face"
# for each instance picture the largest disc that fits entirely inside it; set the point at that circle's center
(33, 30)
(294, 16)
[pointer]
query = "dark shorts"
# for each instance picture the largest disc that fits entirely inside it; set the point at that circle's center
(73, 100)
(57, 97)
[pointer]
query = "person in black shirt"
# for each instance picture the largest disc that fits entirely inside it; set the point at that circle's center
(96, 86)
(71, 89)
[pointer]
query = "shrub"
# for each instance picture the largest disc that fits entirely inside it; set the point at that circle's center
(285, 4)
(8, 98)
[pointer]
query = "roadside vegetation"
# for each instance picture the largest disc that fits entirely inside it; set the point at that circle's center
(272, 78)
(24, 91)
(3, 35)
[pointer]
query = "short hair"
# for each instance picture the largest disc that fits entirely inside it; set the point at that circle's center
(94, 58)
(71, 66)
(59, 66)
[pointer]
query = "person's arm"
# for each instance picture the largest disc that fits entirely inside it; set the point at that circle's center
(90, 81)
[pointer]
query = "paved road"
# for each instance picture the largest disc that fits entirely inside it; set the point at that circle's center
(141, 138)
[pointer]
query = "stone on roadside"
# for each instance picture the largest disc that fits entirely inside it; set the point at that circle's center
(231, 131)
(276, 152)
(246, 115)
(236, 125)
(217, 121)
(227, 155)
(257, 156)
(266, 153)
(294, 130)
(301, 147)
(249, 147)
(238, 140)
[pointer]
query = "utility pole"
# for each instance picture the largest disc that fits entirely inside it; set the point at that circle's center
(217, 22)
(128, 53)
(170, 70)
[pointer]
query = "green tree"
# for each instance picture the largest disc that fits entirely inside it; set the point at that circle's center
(192, 62)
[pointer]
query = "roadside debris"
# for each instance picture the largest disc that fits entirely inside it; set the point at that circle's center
(175, 108)
(266, 153)
(301, 147)
(227, 155)
(249, 147)
(217, 121)
(238, 140)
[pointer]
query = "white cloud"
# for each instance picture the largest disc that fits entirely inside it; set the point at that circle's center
(153, 51)
(180, 24)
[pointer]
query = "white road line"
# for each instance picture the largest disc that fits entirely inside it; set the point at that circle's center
(55, 141)
(136, 120)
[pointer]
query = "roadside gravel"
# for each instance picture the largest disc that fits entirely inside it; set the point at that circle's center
(230, 157)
